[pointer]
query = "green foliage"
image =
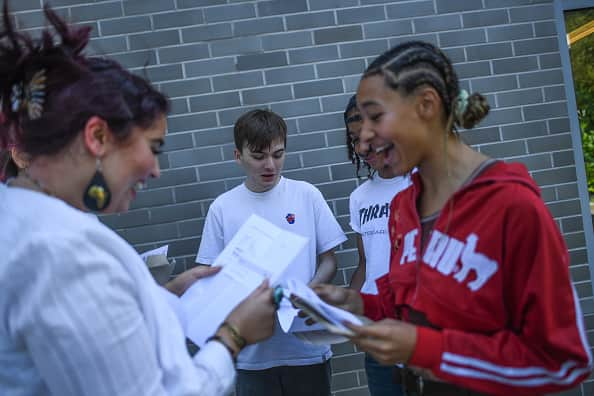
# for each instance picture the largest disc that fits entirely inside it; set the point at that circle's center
(576, 18)
(582, 54)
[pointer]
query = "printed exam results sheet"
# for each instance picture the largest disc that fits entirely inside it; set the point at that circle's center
(260, 250)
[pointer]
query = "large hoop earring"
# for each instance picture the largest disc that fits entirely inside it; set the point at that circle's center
(97, 195)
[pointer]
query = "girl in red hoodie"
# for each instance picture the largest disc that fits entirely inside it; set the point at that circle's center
(478, 299)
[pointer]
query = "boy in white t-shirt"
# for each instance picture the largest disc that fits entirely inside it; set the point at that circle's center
(283, 365)
(369, 209)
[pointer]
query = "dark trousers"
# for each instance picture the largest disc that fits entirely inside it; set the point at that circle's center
(380, 379)
(311, 380)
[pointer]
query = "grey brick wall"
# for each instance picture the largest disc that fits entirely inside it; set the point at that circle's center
(302, 58)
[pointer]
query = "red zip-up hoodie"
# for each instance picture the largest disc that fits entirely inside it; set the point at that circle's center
(492, 283)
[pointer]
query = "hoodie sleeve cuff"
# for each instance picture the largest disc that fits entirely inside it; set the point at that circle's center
(372, 307)
(429, 348)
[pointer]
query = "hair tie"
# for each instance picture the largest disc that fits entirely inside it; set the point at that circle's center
(461, 103)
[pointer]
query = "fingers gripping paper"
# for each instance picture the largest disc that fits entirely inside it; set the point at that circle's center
(329, 325)
(260, 250)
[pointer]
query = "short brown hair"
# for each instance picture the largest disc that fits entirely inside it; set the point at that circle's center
(258, 129)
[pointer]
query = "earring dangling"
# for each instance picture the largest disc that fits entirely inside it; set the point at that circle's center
(97, 195)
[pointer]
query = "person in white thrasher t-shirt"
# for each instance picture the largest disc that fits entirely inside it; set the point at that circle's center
(369, 206)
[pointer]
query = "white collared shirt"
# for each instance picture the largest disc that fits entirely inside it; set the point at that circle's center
(81, 314)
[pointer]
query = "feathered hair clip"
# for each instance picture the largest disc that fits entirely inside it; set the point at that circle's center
(29, 96)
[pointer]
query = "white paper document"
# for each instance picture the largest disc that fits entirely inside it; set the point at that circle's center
(155, 252)
(329, 327)
(316, 333)
(158, 264)
(260, 250)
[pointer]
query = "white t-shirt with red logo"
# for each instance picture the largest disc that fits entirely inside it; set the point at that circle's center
(292, 205)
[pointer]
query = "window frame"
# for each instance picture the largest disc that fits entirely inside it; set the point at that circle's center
(560, 7)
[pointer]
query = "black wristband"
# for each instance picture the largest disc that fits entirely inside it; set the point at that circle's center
(220, 340)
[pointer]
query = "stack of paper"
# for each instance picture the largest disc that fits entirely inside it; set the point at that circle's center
(329, 327)
(260, 250)
(158, 264)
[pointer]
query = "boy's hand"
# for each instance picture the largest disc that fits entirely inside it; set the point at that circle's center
(183, 281)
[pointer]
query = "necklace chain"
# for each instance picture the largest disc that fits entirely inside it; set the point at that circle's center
(25, 176)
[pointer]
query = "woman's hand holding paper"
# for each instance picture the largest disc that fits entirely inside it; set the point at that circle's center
(341, 297)
(389, 341)
(254, 317)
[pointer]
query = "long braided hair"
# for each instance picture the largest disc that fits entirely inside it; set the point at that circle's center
(415, 63)
(353, 156)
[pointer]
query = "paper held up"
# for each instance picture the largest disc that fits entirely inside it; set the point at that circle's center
(259, 250)
(329, 327)
(158, 264)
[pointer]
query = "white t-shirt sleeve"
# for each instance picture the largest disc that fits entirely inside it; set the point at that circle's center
(329, 234)
(212, 241)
